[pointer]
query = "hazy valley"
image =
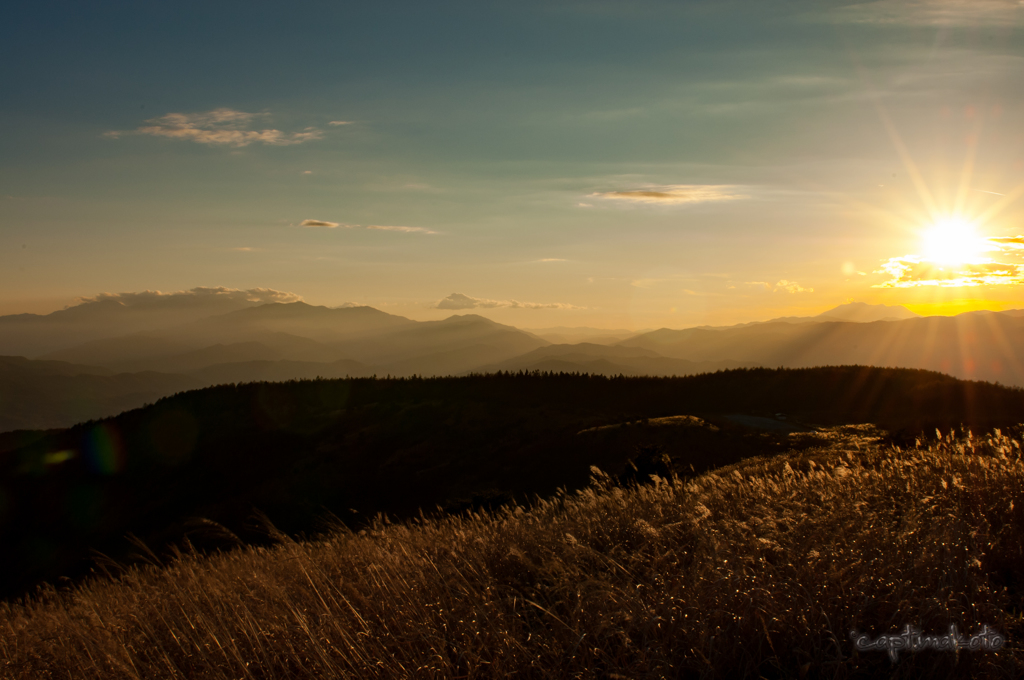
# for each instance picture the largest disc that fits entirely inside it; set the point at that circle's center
(100, 358)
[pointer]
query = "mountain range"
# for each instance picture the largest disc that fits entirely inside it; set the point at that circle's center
(104, 356)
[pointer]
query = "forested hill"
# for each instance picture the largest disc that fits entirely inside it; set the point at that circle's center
(297, 450)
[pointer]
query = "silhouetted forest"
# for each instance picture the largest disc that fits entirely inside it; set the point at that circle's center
(204, 464)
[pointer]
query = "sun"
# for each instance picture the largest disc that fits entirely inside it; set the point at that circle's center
(953, 241)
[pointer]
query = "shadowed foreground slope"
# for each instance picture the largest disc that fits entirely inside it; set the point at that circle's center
(297, 451)
(758, 570)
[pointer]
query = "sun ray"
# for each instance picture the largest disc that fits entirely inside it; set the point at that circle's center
(909, 165)
(993, 210)
(908, 162)
(1006, 348)
(963, 192)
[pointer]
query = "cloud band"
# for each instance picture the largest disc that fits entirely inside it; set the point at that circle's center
(674, 194)
(458, 301)
(145, 297)
(319, 223)
(220, 127)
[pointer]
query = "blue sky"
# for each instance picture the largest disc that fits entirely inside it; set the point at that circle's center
(615, 164)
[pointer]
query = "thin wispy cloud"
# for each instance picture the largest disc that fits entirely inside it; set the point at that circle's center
(321, 224)
(783, 286)
(850, 269)
(648, 282)
(458, 301)
(220, 127)
(148, 297)
(324, 224)
(791, 287)
(674, 194)
(340, 122)
(404, 230)
(930, 12)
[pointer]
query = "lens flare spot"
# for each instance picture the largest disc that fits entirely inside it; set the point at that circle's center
(58, 457)
(103, 450)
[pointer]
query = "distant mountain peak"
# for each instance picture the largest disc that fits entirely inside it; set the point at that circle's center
(864, 312)
(294, 306)
(469, 319)
(280, 310)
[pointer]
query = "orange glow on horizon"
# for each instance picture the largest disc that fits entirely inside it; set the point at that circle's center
(954, 307)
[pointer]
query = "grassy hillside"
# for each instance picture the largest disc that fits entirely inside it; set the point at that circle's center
(762, 569)
(202, 464)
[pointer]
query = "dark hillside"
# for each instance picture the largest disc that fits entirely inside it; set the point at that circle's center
(32, 396)
(297, 450)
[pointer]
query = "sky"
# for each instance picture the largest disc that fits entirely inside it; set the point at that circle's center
(609, 164)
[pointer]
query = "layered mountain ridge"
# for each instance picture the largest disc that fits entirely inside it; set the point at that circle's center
(100, 357)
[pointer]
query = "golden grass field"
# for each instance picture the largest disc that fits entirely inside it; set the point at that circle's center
(761, 569)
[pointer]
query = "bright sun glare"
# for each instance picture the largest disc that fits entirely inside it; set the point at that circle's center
(953, 241)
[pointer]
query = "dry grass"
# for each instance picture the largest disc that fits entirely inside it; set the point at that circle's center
(760, 569)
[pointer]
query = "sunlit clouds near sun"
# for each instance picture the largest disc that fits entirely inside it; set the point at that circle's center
(953, 254)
